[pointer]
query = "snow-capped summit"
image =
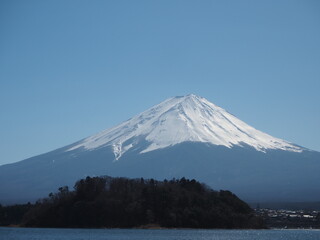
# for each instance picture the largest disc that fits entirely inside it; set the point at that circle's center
(183, 119)
(185, 136)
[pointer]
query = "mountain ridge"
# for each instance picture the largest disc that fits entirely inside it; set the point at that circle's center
(261, 168)
(182, 119)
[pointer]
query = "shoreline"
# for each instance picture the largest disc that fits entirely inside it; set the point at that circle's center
(157, 227)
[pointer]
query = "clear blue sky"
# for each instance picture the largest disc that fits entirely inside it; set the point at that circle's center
(69, 69)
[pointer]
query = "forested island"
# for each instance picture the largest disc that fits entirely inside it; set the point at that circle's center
(105, 202)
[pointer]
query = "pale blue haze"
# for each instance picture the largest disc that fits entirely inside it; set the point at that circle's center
(69, 69)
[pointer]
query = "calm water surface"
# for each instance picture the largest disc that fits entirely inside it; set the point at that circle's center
(134, 234)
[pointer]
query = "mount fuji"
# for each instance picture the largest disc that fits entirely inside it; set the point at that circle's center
(184, 136)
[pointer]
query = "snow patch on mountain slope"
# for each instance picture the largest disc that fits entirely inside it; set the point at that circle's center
(182, 119)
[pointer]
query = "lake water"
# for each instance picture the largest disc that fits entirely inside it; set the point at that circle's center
(135, 234)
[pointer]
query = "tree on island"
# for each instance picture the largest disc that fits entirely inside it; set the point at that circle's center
(99, 202)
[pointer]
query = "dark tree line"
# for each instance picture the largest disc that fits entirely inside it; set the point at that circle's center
(100, 202)
(12, 215)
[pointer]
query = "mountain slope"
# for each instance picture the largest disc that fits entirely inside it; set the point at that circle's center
(181, 137)
(182, 119)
